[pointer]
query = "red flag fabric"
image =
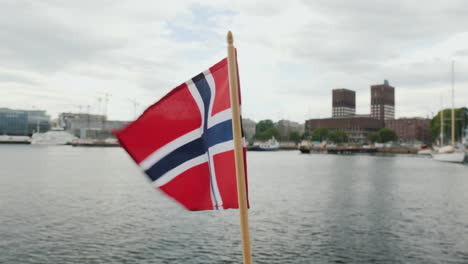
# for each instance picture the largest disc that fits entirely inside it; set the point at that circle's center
(184, 142)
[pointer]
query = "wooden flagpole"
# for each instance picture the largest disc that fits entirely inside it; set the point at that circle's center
(239, 150)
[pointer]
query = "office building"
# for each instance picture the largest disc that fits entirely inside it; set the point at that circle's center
(383, 101)
(15, 122)
(343, 102)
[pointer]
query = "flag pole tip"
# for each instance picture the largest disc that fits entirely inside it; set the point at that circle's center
(230, 38)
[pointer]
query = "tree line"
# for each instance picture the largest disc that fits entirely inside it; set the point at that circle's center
(338, 136)
(461, 121)
(265, 130)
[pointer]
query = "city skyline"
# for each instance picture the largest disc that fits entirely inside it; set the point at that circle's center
(62, 57)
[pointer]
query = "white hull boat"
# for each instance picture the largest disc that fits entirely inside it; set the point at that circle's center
(53, 137)
(457, 156)
(4, 139)
(425, 152)
(270, 145)
(449, 154)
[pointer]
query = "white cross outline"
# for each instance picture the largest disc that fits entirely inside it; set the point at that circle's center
(220, 117)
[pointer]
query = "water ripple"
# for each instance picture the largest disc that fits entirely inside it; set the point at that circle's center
(95, 206)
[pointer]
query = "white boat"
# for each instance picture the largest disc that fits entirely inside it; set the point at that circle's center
(5, 139)
(52, 137)
(449, 153)
(457, 156)
(427, 151)
(305, 146)
(88, 142)
(269, 145)
(465, 141)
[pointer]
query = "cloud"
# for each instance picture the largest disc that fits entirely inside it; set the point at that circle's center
(33, 40)
(290, 55)
(14, 77)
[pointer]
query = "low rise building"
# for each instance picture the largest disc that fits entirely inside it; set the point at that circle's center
(65, 119)
(356, 127)
(411, 130)
(88, 125)
(94, 129)
(248, 127)
(285, 127)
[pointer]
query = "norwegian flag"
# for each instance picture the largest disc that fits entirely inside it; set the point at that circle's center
(184, 142)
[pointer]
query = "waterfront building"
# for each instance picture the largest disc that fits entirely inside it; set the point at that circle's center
(89, 126)
(356, 127)
(13, 123)
(285, 127)
(343, 102)
(411, 130)
(248, 127)
(16, 122)
(383, 101)
(94, 129)
(65, 119)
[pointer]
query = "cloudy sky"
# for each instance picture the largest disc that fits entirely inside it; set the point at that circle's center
(67, 55)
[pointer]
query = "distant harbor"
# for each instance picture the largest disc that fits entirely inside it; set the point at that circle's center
(345, 132)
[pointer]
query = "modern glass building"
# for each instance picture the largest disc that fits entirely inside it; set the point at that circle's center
(23, 122)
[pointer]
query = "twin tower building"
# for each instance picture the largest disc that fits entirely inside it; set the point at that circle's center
(382, 114)
(382, 102)
(358, 127)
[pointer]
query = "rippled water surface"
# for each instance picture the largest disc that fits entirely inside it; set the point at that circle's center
(93, 205)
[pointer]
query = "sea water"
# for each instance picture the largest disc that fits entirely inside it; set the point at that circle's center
(61, 204)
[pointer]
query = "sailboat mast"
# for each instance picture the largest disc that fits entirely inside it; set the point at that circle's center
(453, 105)
(442, 127)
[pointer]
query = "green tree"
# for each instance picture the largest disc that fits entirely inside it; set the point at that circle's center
(338, 136)
(294, 136)
(267, 134)
(374, 137)
(265, 130)
(386, 135)
(263, 126)
(320, 134)
(461, 121)
(306, 135)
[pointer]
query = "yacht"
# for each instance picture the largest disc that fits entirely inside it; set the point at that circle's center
(5, 139)
(465, 141)
(89, 142)
(269, 145)
(52, 137)
(425, 150)
(305, 146)
(449, 153)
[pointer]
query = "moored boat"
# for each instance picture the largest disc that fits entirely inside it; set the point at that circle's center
(425, 150)
(449, 153)
(269, 145)
(52, 137)
(305, 146)
(456, 156)
(109, 142)
(5, 139)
